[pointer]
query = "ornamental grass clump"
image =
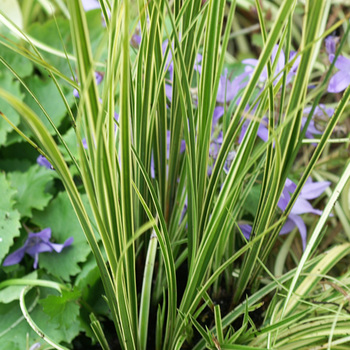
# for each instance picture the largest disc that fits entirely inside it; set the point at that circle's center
(177, 150)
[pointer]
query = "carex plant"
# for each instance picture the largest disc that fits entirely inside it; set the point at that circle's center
(145, 173)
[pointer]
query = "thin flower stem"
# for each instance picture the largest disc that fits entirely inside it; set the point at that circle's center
(32, 324)
(33, 283)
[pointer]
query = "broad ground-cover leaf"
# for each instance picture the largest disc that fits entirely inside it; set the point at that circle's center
(9, 217)
(251, 203)
(89, 282)
(47, 94)
(12, 10)
(71, 140)
(88, 276)
(9, 165)
(14, 328)
(21, 65)
(60, 217)
(31, 186)
(55, 305)
(63, 310)
(8, 83)
(48, 34)
(11, 293)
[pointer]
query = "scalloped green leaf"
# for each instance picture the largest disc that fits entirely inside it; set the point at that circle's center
(7, 193)
(12, 10)
(21, 65)
(14, 329)
(9, 217)
(11, 293)
(54, 305)
(47, 94)
(63, 310)
(48, 34)
(60, 217)
(31, 186)
(8, 83)
(251, 203)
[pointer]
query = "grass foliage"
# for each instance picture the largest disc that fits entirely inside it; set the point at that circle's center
(164, 272)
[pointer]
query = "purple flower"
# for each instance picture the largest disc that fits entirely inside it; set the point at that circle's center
(116, 117)
(184, 210)
(295, 65)
(311, 190)
(182, 149)
(169, 66)
(340, 80)
(218, 113)
(89, 5)
(98, 78)
(263, 132)
(331, 43)
(35, 346)
(252, 63)
(228, 90)
(214, 149)
(320, 112)
(135, 40)
(246, 230)
(83, 141)
(42, 161)
(35, 244)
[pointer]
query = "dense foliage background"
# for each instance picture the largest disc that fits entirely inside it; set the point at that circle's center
(174, 174)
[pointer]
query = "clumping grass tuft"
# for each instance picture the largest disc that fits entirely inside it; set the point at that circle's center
(204, 149)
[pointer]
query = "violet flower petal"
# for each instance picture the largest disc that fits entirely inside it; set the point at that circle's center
(45, 234)
(39, 247)
(169, 91)
(35, 244)
(218, 113)
(295, 66)
(197, 66)
(281, 59)
(301, 227)
(84, 142)
(313, 190)
(36, 260)
(42, 161)
(59, 247)
(284, 200)
(15, 257)
(330, 43)
(152, 166)
(35, 346)
(76, 93)
(342, 63)
(243, 131)
(302, 206)
(98, 77)
(246, 230)
(288, 226)
(263, 132)
(311, 130)
(250, 61)
(292, 222)
(339, 82)
(89, 5)
(290, 186)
